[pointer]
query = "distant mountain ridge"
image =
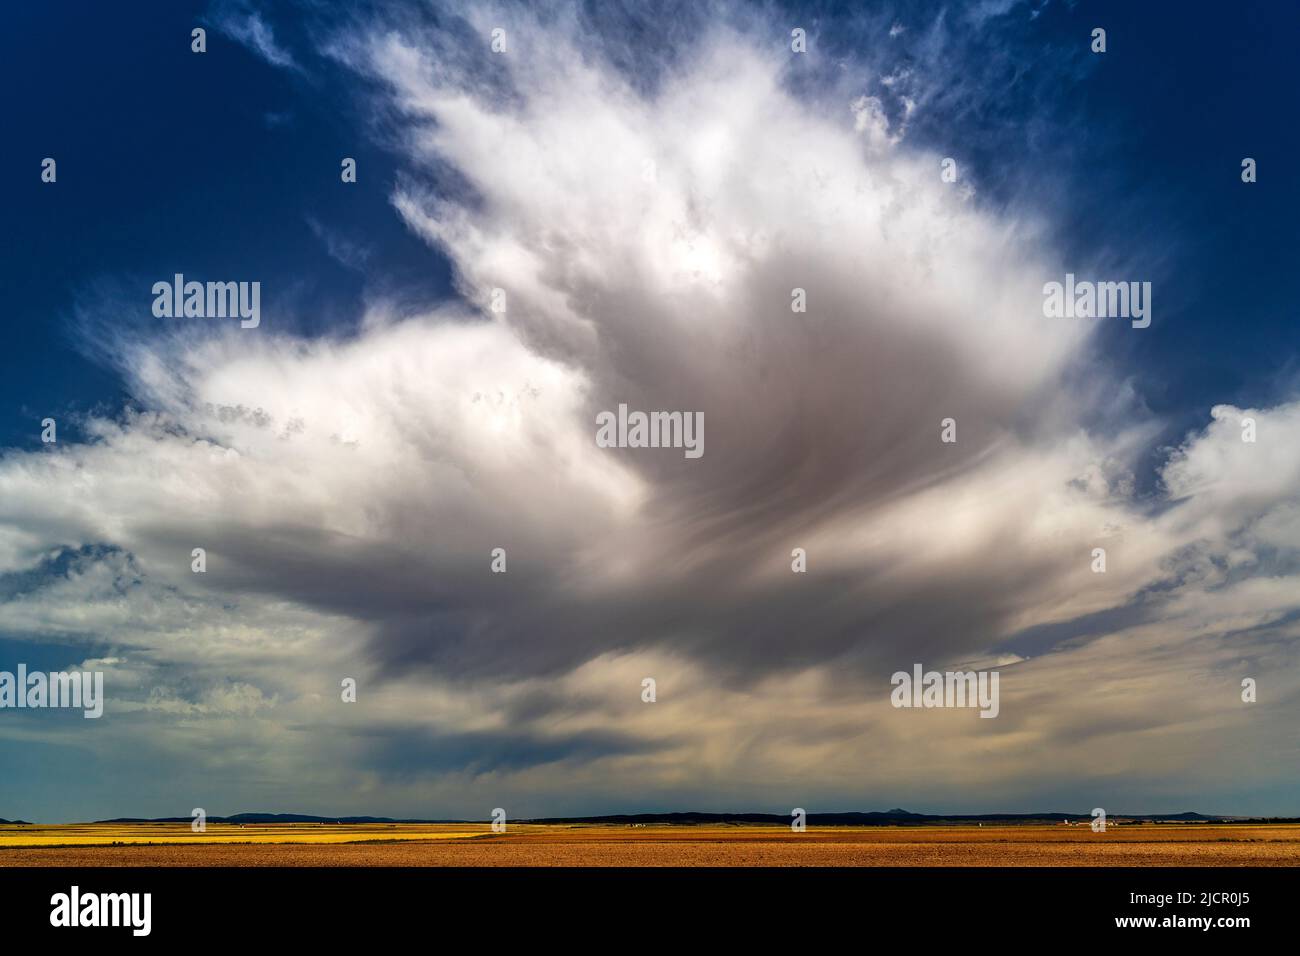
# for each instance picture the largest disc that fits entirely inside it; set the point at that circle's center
(274, 818)
(894, 817)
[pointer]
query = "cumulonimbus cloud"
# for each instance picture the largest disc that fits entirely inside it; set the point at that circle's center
(648, 238)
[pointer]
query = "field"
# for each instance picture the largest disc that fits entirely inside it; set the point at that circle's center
(653, 845)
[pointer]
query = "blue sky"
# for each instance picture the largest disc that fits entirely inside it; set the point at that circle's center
(180, 162)
(171, 161)
(358, 553)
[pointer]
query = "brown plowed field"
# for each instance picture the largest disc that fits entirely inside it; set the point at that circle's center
(529, 845)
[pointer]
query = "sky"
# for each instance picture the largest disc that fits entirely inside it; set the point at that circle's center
(615, 209)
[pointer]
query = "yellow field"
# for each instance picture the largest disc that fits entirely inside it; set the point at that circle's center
(92, 834)
(654, 845)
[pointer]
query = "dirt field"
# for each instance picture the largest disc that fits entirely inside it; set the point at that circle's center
(524, 845)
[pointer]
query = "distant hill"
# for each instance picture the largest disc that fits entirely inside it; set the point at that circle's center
(14, 823)
(274, 818)
(895, 817)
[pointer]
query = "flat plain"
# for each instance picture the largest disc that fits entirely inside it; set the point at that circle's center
(475, 845)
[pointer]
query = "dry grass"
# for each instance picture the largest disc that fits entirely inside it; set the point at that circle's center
(94, 834)
(524, 845)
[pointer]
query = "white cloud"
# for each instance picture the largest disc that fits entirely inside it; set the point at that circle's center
(349, 490)
(249, 28)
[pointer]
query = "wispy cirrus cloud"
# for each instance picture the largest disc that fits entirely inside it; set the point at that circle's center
(239, 20)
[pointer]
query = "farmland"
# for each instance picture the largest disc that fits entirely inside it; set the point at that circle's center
(476, 845)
